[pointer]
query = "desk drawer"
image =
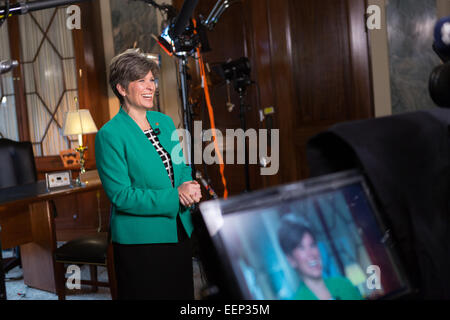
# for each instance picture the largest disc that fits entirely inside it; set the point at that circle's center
(81, 214)
(16, 227)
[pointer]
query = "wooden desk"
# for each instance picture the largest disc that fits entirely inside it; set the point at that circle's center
(27, 220)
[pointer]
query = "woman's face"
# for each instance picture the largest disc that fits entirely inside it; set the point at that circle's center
(306, 258)
(140, 93)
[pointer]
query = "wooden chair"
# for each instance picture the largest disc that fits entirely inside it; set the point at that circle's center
(93, 250)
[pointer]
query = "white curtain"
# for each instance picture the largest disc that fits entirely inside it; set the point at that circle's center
(49, 69)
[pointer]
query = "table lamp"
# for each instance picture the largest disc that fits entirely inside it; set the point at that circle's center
(79, 122)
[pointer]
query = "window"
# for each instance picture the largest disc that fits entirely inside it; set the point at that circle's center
(48, 70)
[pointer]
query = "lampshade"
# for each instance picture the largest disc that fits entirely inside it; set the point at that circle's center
(79, 122)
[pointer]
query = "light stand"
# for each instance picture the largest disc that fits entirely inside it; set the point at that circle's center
(242, 110)
(181, 38)
(238, 71)
(187, 112)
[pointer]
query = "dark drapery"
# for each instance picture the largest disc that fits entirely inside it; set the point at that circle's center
(406, 159)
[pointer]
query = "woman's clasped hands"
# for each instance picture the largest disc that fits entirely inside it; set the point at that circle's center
(189, 193)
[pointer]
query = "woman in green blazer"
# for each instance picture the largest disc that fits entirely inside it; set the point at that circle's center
(299, 244)
(149, 186)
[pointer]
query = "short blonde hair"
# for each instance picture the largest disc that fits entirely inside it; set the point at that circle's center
(128, 66)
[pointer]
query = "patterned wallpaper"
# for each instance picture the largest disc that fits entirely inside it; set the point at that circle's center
(410, 34)
(133, 23)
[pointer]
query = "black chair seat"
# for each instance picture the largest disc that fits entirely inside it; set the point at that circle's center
(90, 249)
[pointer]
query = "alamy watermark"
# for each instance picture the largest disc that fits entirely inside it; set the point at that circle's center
(373, 17)
(73, 20)
(373, 281)
(257, 151)
(74, 279)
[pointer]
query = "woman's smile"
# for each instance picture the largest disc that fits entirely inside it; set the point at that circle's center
(307, 258)
(140, 93)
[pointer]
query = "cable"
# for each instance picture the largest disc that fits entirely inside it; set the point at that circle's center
(205, 167)
(211, 119)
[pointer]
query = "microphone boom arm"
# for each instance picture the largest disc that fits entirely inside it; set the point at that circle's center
(25, 7)
(217, 11)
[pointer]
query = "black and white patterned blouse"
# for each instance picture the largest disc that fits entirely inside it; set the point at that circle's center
(165, 156)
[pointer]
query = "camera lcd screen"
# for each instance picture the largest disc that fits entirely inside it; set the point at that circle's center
(318, 239)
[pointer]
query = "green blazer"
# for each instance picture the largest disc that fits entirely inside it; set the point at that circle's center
(145, 204)
(340, 289)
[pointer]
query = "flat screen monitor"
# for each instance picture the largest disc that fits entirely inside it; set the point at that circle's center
(322, 238)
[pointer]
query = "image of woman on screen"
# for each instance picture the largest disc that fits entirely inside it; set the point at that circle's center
(299, 244)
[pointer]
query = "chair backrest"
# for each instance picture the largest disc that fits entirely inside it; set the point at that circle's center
(17, 164)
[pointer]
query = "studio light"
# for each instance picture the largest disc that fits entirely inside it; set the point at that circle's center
(179, 35)
(238, 72)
